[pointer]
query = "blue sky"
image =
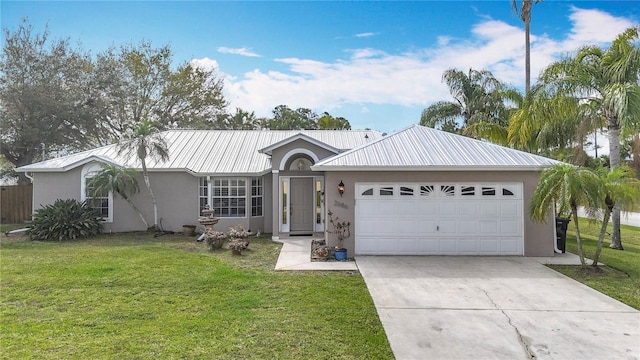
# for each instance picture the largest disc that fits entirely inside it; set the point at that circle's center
(377, 64)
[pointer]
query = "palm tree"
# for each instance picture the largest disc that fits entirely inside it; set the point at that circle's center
(525, 14)
(118, 181)
(565, 187)
(610, 79)
(478, 97)
(145, 141)
(621, 187)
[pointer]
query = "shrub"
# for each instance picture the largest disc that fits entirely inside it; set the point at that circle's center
(214, 239)
(64, 220)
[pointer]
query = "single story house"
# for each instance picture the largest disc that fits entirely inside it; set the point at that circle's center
(416, 191)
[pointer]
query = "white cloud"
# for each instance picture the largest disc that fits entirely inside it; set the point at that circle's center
(413, 79)
(237, 51)
(366, 34)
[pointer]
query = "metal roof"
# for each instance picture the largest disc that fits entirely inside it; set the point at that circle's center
(211, 151)
(422, 148)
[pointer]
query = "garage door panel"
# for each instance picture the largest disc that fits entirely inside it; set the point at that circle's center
(468, 208)
(510, 246)
(469, 227)
(458, 221)
(448, 208)
(468, 246)
(488, 227)
(489, 246)
(510, 209)
(489, 209)
(511, 228)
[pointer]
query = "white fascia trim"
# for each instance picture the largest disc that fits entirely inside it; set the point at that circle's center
(299, 136)
(426, 168)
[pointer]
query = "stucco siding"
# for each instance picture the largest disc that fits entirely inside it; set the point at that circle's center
(48, 187)
(538, 238)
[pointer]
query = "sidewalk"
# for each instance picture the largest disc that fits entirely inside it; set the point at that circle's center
(626, 218)
(296, 255)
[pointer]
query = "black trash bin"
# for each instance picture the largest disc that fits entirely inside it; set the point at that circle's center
(561, 233)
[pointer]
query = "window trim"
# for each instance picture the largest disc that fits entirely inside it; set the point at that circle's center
(260, 196)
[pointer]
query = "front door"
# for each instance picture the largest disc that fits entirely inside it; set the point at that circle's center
(302, 204)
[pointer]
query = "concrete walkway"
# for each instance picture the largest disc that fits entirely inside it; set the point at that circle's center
(466, 307)
(296, 255)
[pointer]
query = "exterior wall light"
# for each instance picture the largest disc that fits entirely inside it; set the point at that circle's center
(341, 188)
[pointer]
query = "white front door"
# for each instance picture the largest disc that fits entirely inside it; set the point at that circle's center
(439, 219)
(302, 204)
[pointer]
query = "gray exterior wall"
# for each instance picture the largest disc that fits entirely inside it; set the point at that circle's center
(176, 194)
(538, 238)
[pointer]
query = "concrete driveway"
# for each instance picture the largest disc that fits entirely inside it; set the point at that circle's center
(435, 307)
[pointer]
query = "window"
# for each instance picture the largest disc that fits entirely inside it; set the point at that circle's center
(102, 201)
(406, 191)
(229, 197)
(387, 190)
(426, 190)
(256, 196)
(368, 192)
(468, 191)
(488, 191)
(448, 190)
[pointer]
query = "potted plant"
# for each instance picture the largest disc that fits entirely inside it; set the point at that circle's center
(214, 239)
(236, 246)
(189, 230)
(239, 239)
(342, 229)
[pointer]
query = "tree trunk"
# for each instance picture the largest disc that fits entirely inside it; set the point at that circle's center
(603, 231)
(574, 211)
(614, 160)
(135, 208)
(153, 197)
(527, 56)
(635, 151)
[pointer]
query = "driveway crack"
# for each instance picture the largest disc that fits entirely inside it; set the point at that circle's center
(521, 339)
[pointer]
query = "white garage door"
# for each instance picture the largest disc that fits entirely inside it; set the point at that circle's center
(439, 219)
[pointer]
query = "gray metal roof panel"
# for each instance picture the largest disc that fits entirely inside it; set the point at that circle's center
(419, 147)
(211, 151)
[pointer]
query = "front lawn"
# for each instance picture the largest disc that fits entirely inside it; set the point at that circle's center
(134, 296)
(620, 277)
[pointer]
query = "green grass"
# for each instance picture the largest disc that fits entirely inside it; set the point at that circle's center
(8, 227)
(138, 297)
(620, 278)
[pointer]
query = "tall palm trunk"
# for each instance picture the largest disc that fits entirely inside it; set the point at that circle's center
(527, 46)
(635, 151)
(574, 211)
(603, 230)
(135, 208)
(153, 197)
(613, 127)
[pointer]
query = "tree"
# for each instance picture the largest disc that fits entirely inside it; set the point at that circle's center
(146, 142)
(524, 13)
(241, 120)
(478, 97)
(609, 79)
(138, 83)
(285, 118)
(328, 122)
(47, 101)
(118, 181)
(621, 187)
(565, 187)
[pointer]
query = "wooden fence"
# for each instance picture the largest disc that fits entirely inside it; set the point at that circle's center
(15, 203)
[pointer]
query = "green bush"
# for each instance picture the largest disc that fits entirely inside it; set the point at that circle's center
(64, 220)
